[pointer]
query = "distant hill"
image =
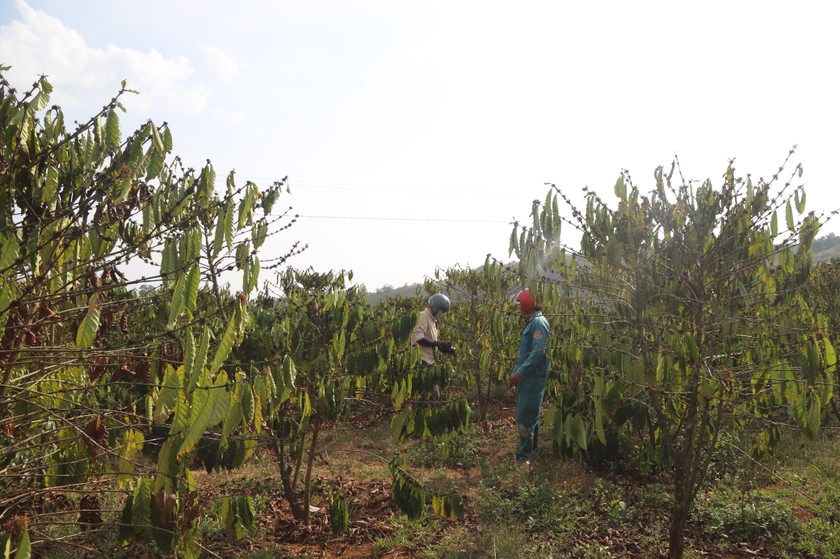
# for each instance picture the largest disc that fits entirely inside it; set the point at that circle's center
(824, 249)
(387, 291)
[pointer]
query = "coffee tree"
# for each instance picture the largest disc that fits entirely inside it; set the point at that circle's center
(823, 294)
(484, 328)
(314, 346)
(696, 322)
(97, 368)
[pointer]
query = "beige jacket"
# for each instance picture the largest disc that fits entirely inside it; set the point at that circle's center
(426, 328)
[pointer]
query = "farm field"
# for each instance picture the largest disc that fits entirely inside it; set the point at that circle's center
(683, 356)
(780, 507)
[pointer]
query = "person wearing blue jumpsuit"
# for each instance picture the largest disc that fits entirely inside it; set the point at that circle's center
(530, 375)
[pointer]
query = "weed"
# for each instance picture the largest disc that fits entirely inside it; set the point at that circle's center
(609, 499)
(744, 518)
(453, 451)
(409, 534)
(592, 551)
(815, 537)
(532, 506)
(509, 543)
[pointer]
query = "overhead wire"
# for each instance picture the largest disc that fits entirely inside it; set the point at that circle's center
(305, 184)
(333, 185)
(422, 219)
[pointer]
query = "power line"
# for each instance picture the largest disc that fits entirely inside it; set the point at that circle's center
(328, 185)
(363, 218)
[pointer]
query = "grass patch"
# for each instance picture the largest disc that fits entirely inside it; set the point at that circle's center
(408, 535)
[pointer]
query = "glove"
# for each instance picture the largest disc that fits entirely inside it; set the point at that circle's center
(446, 347)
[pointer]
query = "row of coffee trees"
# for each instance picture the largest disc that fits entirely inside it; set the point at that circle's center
(685, 313)
(113, 387)
(98, 367)
(688, 318)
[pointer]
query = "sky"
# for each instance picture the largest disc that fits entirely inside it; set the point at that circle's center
(414, 133)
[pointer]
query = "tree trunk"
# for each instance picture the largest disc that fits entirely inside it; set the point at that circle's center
(679, 514)
(482, 400)
(307, 480)
(286, 476)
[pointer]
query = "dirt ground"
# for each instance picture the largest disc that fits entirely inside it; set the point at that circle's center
(352, 461)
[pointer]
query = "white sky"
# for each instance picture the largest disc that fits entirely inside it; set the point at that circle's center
(391, 113)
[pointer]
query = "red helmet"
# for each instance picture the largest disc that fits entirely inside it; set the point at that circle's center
(526, 302)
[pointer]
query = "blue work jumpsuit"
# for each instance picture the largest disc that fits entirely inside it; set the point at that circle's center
(532, 364)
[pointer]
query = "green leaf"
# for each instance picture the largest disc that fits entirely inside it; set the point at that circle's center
(245, 506)
(90, 324)
(259, 232)
(132, 444)
(167, 139)
(243, 252)
(171, 259)
(254, 275)
(245, 206)
(194, 240)
(221, 401)
(514, 243)
(247, 404)
(597, 396)
(5, 301)
(621, 188)
(200, 360)
(577, 430)
(182, 414)
(168, 396)
(219, 238)
(408, 495)
(192, 284)
(207, 182)
(40, 100)
(127, 530)
(305, 406)
(189, 353)
(201, 410)
(339, 516)
(24, 547)
(228, 514)
(448, 506)
(112, 131)
(228, 224)
(691, 345)
(814, 418)
(226, 344)
(50, 186)
(284, 380)
(157, 141)
(176, 305)
(743, 291)
(830, 356)
(789, 216)
(707, 389)
(156, 161)
(10, 251)
(141, 505)
(234, 416)
(774, 225)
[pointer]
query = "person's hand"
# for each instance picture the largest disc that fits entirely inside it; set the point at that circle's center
(446, 347)
(513, 382)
